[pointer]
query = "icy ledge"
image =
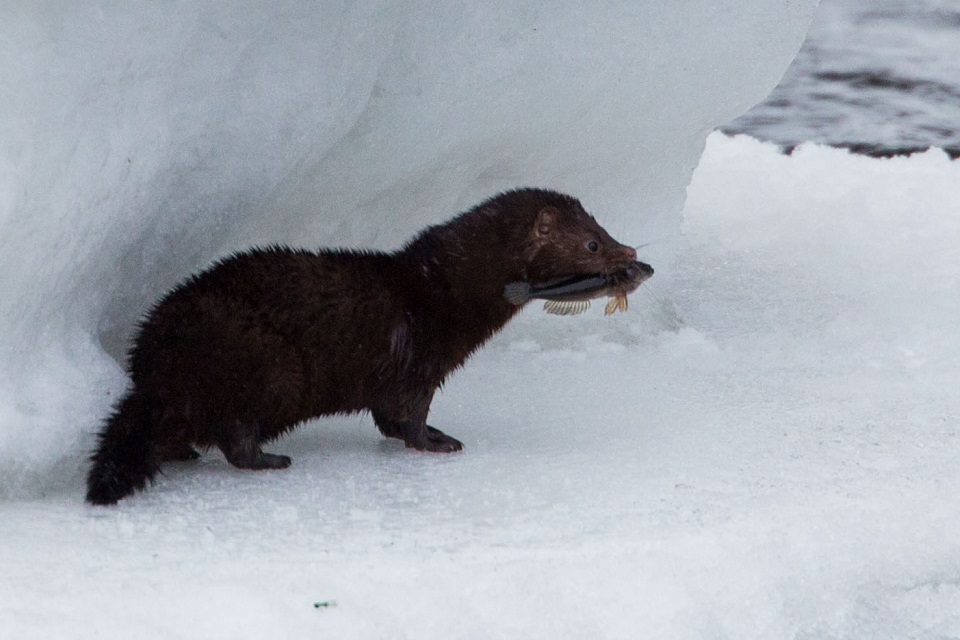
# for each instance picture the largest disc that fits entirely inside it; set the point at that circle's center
(138, 141)
(782, 466)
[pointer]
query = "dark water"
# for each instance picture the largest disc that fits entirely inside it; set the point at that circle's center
(880, 77)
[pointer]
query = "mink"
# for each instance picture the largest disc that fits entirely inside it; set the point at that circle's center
(268, 338)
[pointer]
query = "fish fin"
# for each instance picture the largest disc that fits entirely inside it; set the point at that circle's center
(616, 303)
(517, 293)
(563, 308)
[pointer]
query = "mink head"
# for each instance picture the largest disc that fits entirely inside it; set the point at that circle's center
(566, 240)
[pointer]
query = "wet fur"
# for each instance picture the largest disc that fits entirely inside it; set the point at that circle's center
(266, 339)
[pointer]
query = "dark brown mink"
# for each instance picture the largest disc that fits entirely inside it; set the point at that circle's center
(263, 340)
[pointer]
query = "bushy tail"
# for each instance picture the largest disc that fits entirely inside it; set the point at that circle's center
(125, 460)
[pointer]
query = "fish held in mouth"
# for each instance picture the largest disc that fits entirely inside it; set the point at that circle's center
(571, 295)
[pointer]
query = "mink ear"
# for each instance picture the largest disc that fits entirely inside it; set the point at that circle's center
(546, 218)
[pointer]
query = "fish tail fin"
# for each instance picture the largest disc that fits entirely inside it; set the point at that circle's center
(517, 293)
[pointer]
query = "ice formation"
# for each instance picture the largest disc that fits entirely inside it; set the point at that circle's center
(782, 465)
(779, 462)
(140, 141)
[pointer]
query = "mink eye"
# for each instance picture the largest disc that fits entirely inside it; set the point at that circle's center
(593, 247)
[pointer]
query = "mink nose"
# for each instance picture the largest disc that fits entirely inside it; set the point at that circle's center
(630, 253)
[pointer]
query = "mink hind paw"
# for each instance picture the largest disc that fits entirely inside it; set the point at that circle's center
(437, 441)
(259, 461)
(274, 461)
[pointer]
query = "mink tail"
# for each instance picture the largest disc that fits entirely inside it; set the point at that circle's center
(125, 460)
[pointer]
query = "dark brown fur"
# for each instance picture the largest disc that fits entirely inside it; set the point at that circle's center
(264, 340)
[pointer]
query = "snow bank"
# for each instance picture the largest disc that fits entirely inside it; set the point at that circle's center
(138, 141)
(782, 464)
(876, 249)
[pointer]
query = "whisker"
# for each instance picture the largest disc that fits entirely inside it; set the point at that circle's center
(650, 290)
(661, 306)
(647, 244)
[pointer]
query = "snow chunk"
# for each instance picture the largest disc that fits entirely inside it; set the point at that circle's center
(137, 143)
(782, 465)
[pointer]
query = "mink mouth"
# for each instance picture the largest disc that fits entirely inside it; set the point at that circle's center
(635, 271)
(586, 286)
(641, 269)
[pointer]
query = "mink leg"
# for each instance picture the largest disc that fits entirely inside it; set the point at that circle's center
(439, 441)
(415, 432)
(242, 450)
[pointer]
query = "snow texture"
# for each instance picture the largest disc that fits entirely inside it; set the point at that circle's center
(765, 446)
(781, 463)
(139, 141)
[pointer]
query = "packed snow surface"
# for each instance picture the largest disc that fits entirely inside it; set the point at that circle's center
(767, 445)
(139, 141)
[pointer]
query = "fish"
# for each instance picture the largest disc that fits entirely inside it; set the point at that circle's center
(571, 295)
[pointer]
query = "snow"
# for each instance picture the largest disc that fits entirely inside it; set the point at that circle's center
(781, 462)
(140, 142)
(764, 446)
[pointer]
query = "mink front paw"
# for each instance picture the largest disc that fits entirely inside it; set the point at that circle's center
(437, 441)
